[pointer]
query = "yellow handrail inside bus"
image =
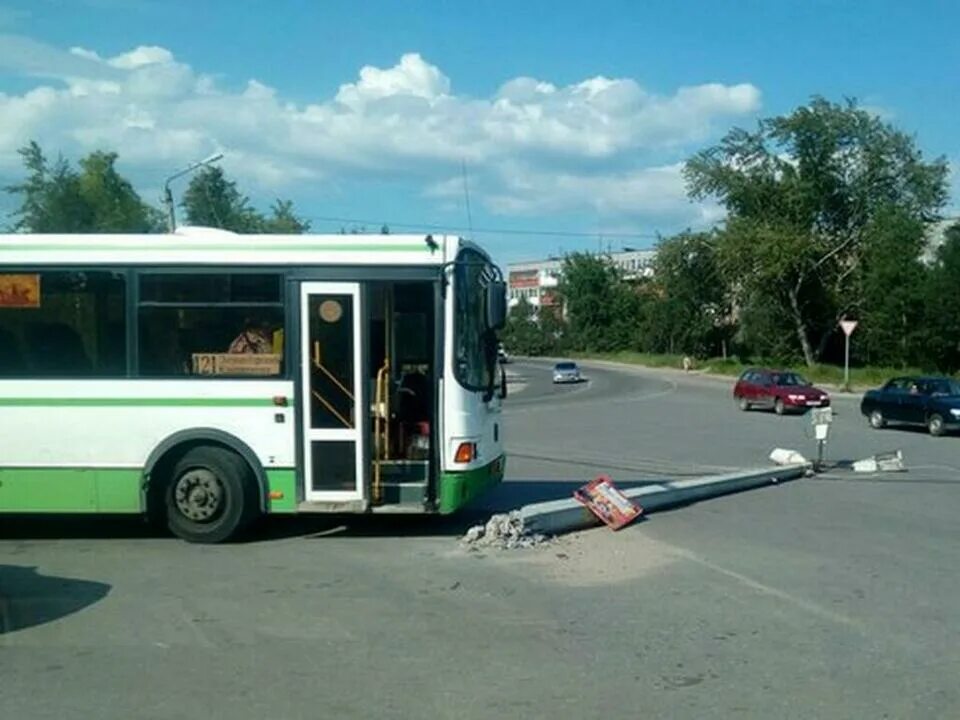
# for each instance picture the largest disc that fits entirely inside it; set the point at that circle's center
(381, 427)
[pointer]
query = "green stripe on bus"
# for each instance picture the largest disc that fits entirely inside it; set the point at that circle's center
(104, 490)
(78, 490)
(135, 402)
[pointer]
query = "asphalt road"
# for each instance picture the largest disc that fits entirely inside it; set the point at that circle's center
(833, 597)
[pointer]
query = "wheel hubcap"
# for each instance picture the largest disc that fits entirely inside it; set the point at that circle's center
(935, 424)
(198, 495)
(876, 419)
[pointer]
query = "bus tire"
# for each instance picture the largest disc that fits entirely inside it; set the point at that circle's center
(210, 496)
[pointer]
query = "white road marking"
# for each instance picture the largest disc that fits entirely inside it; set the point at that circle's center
(800, 603)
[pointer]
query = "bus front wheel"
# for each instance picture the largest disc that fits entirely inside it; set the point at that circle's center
(211, 495)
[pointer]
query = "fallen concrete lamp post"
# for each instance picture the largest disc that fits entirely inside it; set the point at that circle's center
(559, 516)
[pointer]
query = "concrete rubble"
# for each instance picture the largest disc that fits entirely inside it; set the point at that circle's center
(503, 531)
(783, 456)
(882, 462)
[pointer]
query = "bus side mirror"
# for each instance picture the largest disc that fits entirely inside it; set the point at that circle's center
(496, 305)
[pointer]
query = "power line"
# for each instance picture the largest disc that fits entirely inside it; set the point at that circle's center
(492, 231)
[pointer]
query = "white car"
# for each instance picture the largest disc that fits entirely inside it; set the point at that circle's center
(566, 372)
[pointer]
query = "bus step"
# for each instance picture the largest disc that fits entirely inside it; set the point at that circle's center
(402, 493)
(400, 509)
(404, 472)
(325, 506)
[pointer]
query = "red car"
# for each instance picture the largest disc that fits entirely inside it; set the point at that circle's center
(781, 390)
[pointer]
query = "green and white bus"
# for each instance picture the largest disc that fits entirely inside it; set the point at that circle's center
(208, 378)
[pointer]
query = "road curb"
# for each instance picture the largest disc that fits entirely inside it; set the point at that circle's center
(560, 516)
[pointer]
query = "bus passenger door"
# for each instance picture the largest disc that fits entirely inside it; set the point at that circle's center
(332, 397)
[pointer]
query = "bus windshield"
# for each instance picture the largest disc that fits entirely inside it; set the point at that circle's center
(474, 344)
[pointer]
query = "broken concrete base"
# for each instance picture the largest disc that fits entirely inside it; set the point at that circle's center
(505, 531)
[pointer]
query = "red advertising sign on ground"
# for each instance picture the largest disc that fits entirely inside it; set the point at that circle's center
(605, 501)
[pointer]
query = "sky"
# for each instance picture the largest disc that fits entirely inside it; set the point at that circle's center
(535, 127)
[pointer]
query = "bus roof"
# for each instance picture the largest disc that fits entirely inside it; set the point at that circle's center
(210, 246)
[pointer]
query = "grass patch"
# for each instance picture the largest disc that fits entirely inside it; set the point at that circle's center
(860, 377)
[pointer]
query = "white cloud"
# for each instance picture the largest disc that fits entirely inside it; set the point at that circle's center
(515, 189)
(412, 77)
(534, 146)
(141, 56)
(29, 57)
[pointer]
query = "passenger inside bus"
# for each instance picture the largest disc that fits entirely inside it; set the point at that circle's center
(256, 338)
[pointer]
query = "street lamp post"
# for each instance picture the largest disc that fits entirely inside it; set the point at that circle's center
(168, 195)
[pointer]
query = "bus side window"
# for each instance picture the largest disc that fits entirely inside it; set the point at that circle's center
(62, 324)
(11, 358)
(211, 325)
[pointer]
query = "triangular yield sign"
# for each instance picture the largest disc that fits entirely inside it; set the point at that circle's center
(848, 326)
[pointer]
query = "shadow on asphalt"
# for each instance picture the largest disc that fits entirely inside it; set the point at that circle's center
(77, 527)
(28, 599)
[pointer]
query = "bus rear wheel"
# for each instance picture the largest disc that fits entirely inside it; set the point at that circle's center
(211, 495)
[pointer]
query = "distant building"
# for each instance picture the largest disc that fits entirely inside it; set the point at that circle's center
(537, 280)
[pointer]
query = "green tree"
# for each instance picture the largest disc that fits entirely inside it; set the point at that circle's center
(533, 332)
(602, 309)
(690, 313)
(114, 204)
(211, 200)
(942, 305)
(801, 193)
(283, 221)
(55, 198)
(521, 334)
(892, 315)
(553, 329)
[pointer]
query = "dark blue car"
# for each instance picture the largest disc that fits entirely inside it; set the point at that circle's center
(932, 402)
